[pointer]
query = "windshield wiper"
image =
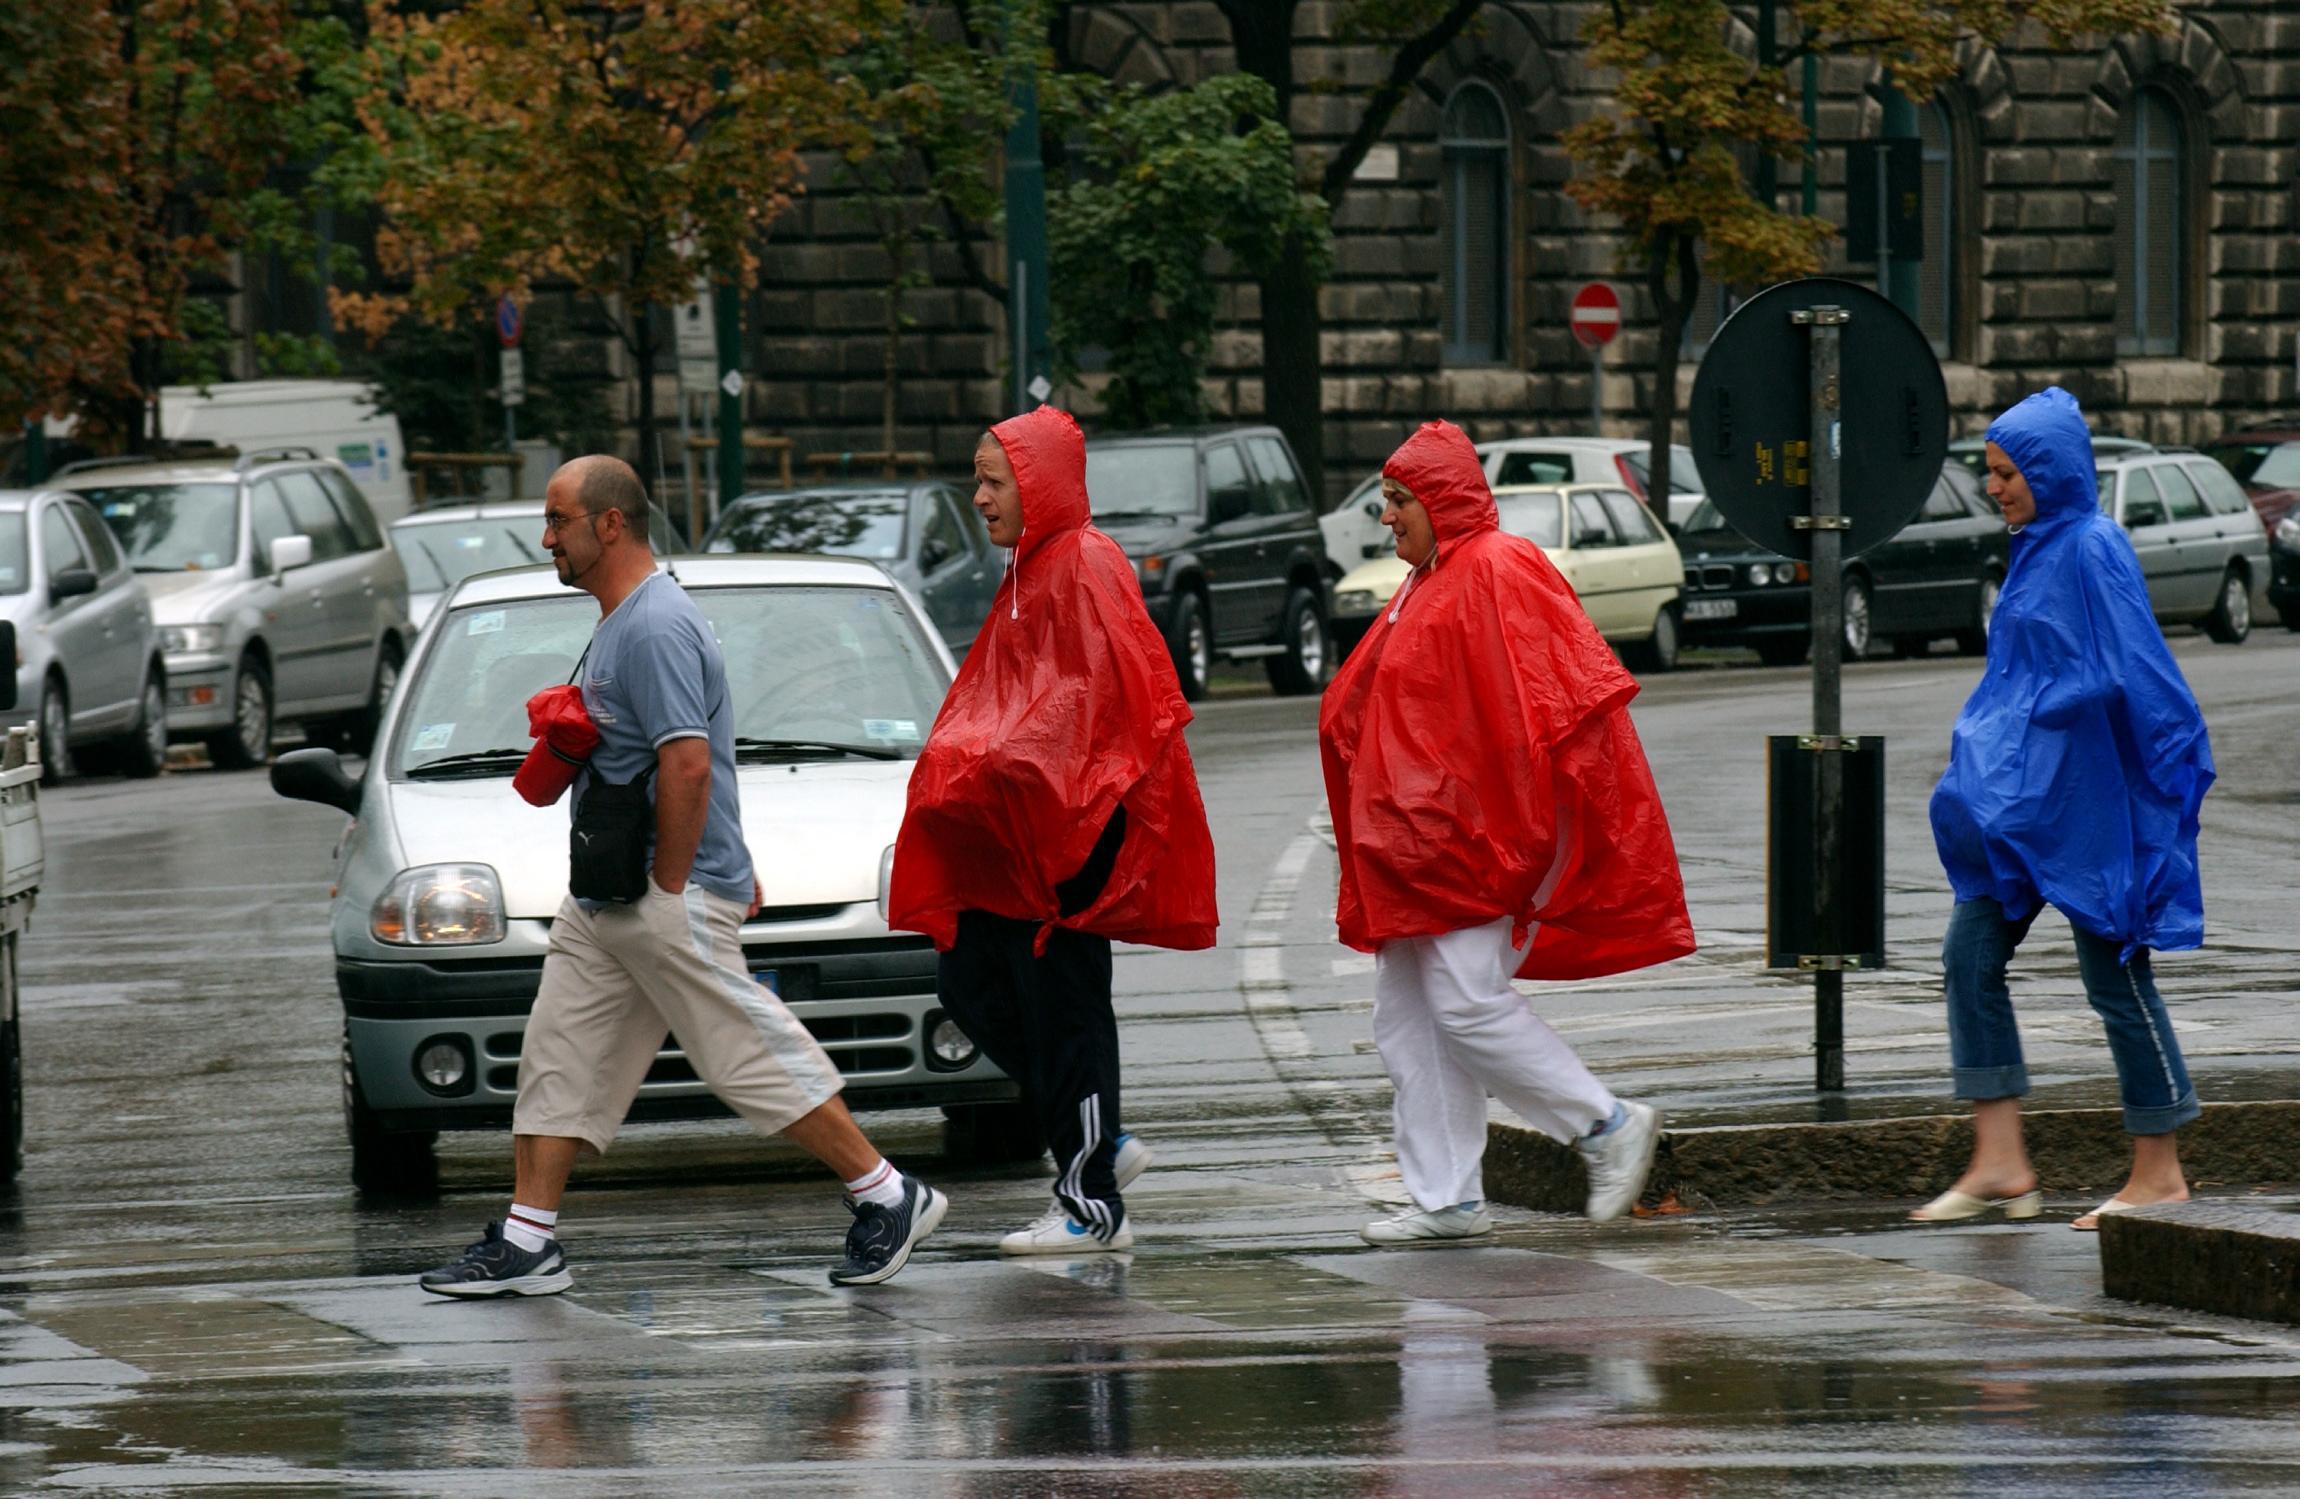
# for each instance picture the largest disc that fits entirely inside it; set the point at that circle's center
(475, 763)
(861, 751)
(1135, 514)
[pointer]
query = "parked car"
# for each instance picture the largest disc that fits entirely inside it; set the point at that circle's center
(1619, 560)
(2199, 540)
(1972, 452)
(23, 862)
(1220, 529)
(1939, 576)
(276, 597)
(1354, 530)
(89, 671)
(2266, 461)
(447, 882)
(2284, 569)
(924, 533)
(441, 547)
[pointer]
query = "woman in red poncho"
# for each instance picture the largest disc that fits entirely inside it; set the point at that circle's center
(1494, 818)
(1053, 810)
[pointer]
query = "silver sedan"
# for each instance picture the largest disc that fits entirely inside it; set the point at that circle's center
(2200, 544)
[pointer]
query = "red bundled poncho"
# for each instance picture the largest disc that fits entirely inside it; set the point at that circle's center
(1482, 719)
(1066, 709)
(564, 736)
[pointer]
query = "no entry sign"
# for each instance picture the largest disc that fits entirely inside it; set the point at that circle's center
(1596, 315)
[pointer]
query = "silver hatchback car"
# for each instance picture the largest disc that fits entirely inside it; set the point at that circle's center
(2200, 544)
(448, 883)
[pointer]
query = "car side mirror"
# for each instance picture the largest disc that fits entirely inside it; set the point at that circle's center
(1374, 509)
(288, 552)
(315, 775)
(71, 583)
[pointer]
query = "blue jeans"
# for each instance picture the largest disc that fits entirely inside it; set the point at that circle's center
(1984, 1041)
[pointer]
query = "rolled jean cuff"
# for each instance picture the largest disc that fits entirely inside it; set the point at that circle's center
(2161, 1119)
(1981, 1084)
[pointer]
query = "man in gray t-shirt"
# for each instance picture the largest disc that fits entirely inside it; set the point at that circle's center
(618, 975)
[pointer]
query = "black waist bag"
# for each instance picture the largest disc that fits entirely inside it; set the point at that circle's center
(607, 850)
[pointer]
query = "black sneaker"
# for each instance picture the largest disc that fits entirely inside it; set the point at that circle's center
(497, 1267)
(879, 1244)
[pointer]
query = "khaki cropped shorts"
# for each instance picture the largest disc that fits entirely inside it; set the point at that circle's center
(615, 980)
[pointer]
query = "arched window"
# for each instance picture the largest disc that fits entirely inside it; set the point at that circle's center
(1937, 274)
(1476, 229)
(2151, 225)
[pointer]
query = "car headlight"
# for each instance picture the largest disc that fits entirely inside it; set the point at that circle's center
(2288, 533)
(886, 884)
(182, 640)
(1354, 601)
(439, 905)
(1760, 574)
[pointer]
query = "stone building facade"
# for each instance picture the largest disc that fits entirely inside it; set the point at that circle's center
(2122, 219)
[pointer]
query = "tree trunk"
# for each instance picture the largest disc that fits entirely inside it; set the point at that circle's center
(1293, 373)
(643, 340)
(1671, 312)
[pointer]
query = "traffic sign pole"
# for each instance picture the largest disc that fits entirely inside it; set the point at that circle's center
(1595, 317)
(510, 322)
(1826, 514)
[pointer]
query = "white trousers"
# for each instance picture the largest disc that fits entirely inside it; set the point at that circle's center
(1451, 1031)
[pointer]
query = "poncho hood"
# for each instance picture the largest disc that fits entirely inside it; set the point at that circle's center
(1479, 759)
(1066, 709)
(2078, 765)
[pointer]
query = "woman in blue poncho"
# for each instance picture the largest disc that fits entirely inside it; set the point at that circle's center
(2075, 774)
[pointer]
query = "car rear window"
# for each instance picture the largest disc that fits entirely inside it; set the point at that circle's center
(871, 526)
(440, 554)
(1143, 479)
(2263, 465)
(172, 528)
(1535, 468)
(1536, 517)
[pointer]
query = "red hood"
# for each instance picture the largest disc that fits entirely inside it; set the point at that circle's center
(1048, 453)
(1442, 469)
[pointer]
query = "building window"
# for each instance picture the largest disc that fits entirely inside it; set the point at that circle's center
(1476, 230)
(2151, 225)
(1937, 273)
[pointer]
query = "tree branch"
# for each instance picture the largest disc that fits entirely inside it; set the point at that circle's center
(1404, 69)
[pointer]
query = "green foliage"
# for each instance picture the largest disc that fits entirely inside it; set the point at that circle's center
(202, 355)
(440, 383)
(1161, 183)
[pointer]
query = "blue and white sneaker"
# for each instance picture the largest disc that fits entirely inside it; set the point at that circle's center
(1132, 1159)
(881, 1239)
(497, 1267)
(1059, 1233)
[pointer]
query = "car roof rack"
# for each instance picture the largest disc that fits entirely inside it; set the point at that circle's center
(283, 454)
(171, 453)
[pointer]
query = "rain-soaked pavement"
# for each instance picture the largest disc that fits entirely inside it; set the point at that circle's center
(192, 1299)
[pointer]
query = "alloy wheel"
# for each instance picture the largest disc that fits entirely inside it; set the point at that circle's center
(252, 716)
(155, 720)
(1857, 622)
(2236, 606)
(1310, 645)
(1199, 650)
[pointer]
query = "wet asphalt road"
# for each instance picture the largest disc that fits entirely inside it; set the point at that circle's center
(193, 1300)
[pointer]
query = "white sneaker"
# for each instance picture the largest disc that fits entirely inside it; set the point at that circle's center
(1132, 1159)
(1457, 1222)
(1059, 1233)
(1618, 1162)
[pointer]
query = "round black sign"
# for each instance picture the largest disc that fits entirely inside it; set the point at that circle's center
(1752, 409)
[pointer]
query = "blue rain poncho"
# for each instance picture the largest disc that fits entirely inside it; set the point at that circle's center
(2079, 762)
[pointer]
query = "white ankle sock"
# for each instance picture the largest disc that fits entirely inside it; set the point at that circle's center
(881, 1184)
(530, 1228)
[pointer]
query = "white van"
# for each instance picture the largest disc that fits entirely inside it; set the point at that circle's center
(336, 418)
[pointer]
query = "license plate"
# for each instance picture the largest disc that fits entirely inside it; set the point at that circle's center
(1711, 608)
(769, 980)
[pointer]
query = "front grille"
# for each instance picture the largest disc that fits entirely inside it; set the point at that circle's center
(1709, 576)
(857, 1043)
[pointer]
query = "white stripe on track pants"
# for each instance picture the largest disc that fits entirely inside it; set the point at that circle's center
(1452, 1030)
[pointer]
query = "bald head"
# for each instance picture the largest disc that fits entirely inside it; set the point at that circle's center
(601, 482)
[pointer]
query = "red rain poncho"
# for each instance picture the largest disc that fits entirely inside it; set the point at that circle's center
(1067, 708)
(1481, 719)
(565, 736)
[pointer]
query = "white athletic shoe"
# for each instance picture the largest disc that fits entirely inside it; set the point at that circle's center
(1059, 1233)
(1133, 1158)
(1618, 1162)
(1416, 1227)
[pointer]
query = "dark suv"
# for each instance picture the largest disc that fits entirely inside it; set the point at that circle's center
(2266, 461)
(1219, 526)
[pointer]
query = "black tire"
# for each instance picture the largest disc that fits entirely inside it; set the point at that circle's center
(1302, 667)
(2230, 621)
(1860, 619)
(142, 752)
(2291, 616)
(388, 1163)
(11, 1067)
(1782, 650)
(355, 732)
(1658, 652)
(991, 1132)
(1191, 643)
(248, 743)
(1973, 640)
(55, 724)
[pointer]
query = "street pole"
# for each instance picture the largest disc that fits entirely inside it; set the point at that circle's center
(1768, 183)
(1026, 245)
(1597, 391)
(1828, 524)
(727, 311)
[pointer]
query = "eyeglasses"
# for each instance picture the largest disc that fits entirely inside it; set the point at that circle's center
(553, 521)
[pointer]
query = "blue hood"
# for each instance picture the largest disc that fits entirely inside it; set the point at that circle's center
(2079, 763)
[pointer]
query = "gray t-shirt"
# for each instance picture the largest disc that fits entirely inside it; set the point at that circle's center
(654, 674)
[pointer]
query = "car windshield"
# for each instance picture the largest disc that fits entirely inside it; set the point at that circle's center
(2104, 480)
(805, 666)
(2263, 465)
(173, 528)
(1159, 478)
(844, 525)
(1536, 517)
(15, 567)
(1705, 517)
(1681, 470)
(441, 554)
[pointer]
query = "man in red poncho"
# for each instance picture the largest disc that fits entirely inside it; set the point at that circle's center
(1494, 817)
(1053, 810)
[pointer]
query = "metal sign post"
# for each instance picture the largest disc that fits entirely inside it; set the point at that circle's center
(510, 322)
(1595, 317)
(1826, 520)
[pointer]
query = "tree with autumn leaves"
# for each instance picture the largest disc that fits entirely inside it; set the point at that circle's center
(1666, 165)
(629, 149)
